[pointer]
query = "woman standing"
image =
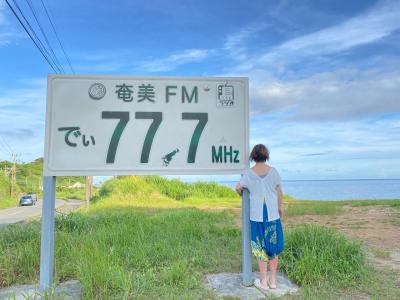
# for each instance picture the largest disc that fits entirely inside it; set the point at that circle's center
(264, 185)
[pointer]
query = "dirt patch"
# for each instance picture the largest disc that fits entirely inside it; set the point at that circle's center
(377, 226)
(374, 224)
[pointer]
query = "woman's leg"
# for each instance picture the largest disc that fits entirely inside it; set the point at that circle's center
(263, 271)
(273, 264)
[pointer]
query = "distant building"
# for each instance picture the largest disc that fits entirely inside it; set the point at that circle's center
(77, 185)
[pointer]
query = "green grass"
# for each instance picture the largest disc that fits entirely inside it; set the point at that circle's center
(78, 194)
(301, 207)
(5, 199)
(129, 253)
(4, 186)
(163, 253)
(141, 241)
(179, 190)
(315, 255)
(376, 285)
(155, 191)
(8, 202)
(311, 207)
(389, 202)
(73, 193)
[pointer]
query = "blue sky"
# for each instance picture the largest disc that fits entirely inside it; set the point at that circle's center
(324, 75)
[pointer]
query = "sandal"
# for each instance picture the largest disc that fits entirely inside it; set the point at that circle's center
(271, 286)
(257, 284)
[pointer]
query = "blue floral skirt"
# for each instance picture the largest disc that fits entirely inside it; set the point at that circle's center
(266, 237)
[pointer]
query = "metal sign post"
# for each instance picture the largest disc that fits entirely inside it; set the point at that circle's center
(47, 240)
(247, 275)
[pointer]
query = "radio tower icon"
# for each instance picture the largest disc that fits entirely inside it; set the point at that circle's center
(168, 157)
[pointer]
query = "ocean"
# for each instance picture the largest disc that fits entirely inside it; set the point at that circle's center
(339, 189)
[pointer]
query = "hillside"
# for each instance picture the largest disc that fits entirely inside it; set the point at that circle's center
(159, 191)
(29, 180)
(4, 186)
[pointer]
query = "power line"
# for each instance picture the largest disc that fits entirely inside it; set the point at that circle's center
(47, 52)
(6, 146)
(3, 148)
(29, 2)
(58, 39)
(36, 36)
(30, 35)
(13, 175)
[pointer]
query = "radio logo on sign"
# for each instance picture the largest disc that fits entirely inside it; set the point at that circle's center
(225, 95)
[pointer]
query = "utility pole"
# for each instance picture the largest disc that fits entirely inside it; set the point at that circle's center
(6, 171)
(13, 174)
(89, 190)
(12, 170)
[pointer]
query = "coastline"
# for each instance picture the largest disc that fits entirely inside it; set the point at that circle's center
(338, 190)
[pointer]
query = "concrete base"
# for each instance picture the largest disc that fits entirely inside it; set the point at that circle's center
(68, 290)
(230, 285)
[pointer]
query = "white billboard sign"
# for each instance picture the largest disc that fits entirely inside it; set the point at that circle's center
(110, 125)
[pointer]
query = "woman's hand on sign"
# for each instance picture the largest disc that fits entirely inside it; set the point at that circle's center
(239, 188)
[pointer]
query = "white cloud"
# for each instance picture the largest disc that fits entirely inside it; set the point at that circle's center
(100, 62)
(8, 31)
(336, 95)
(351, 149)
(333, 123)
(22, 119)
(235, 43)
(173, 61)
(371, 26)
(4, 35)
(3, 7)
(339, 94)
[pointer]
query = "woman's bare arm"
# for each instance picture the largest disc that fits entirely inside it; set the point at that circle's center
(280, 197)
(239, 188)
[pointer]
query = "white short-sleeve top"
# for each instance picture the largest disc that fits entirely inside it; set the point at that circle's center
(262, 189)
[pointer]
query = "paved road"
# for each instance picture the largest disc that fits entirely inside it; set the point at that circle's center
(22, 213)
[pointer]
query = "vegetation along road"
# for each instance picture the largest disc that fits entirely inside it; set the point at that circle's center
(19, 214)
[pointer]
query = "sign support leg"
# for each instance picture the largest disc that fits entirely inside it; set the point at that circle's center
(247, 275)
(47, 240)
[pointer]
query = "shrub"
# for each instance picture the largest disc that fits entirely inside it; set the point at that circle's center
(315, 255)
(179, 190)
(73, 222)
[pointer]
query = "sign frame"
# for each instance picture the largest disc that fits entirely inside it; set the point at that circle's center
(129, 171)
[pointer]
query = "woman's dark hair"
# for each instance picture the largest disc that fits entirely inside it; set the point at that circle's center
(259, 153)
